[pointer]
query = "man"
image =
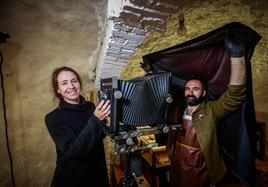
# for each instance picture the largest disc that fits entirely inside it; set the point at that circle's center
(197, 160)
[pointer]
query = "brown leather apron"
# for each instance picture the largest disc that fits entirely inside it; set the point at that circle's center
(188, 168)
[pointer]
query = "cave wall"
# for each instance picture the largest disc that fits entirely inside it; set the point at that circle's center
(43, 35)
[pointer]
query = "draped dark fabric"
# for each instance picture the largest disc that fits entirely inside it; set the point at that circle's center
(206, 57)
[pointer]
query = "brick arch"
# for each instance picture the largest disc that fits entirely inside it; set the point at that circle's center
(127, 24)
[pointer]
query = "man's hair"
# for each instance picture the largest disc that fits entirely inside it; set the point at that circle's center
(202, 81)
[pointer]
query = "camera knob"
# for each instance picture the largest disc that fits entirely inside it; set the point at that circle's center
(165, 129)
(169, 99)
(129, 141)
(117, 94)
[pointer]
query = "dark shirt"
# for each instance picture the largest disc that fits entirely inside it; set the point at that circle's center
(78, 136)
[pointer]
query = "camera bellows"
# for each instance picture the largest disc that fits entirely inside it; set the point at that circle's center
(143, 99)
(137, 102)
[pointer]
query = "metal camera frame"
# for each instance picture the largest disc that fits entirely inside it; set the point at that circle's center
(125, 139)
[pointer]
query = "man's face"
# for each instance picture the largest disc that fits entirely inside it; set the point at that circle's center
(194, 92)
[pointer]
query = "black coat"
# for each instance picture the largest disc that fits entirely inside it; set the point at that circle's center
(78, 136)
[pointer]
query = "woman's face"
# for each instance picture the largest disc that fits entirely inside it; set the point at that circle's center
(69, 87)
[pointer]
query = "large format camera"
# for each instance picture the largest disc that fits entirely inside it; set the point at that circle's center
(138, 107)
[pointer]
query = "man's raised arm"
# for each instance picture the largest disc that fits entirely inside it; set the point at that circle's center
(236, 50)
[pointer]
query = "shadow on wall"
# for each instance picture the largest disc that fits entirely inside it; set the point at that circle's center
(9, 52)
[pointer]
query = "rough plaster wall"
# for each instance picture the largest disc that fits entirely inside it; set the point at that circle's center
(202, 17)
(44, 35)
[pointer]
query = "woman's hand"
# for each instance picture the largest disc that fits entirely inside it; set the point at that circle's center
(102, 111)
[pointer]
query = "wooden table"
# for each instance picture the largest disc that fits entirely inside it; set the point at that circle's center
(157, 161)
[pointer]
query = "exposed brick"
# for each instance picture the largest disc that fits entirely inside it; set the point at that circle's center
(123, 27)
(169, 6)
(134, 42)
(142, 3)
(116, 45)
(128, 36)
(119, 40)
(110, 58)
(126, 51)
(114, 49)
(166, 7)
(126, 55)
(125, 17)
(126, 28)
(113, 18)
(132, 24)
(129, 17)
(130, 47)
(123, 57)
(153, 23)
(146, 12)
(122, 60)
(120, 34)
(139, 32)
(133, 36)
(130, 29)
(112, 54)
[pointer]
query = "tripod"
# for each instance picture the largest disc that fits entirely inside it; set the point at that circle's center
(128, 180)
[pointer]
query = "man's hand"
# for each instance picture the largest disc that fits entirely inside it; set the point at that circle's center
(102, 111)
(234, 47)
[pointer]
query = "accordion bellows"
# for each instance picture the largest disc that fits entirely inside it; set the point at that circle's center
(143, 99)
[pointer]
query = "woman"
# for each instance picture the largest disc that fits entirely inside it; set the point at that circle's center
(76, 127)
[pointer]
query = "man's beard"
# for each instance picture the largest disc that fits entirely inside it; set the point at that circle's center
(191, 100)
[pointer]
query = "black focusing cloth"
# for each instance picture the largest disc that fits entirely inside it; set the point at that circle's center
(206, 57)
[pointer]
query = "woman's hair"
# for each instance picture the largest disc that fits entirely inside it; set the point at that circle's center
(55, 75)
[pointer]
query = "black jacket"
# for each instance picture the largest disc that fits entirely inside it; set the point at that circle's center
(78, 136)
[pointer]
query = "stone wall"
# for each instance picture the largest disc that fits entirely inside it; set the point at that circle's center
(43, 35)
